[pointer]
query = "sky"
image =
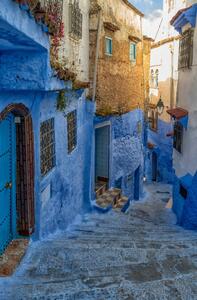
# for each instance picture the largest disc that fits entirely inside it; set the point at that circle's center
(153, 14)
(148, 6)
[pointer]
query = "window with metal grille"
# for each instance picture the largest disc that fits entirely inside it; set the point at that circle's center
(72, 130)
(47, 146)
(186, 50)
(178, 136)
(156, 78)
(75, 20)
(153, 119)
(183, 191)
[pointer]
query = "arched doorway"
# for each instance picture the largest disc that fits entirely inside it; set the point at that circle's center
(17, 179)
(154, 166)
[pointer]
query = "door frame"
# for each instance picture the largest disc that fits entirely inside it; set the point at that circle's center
(97, 126)
(26, 206)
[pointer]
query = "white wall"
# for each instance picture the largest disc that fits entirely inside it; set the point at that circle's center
(187, 99)
(76, 52)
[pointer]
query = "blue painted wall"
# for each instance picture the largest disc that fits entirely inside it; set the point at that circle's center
(164, 149)
(126, 149)
(70, 179)
(26, 77)
(186, 209)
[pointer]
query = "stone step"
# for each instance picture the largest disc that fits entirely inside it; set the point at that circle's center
(100, 188)
(110, 197)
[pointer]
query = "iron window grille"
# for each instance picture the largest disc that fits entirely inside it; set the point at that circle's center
(186, 50)
(72, 130)
(178, 136)
(75, 20)
(47, 146)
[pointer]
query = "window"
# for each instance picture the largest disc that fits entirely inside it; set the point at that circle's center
(72, 130)
(75, 20)
(47, 146)
(178, 136)
(108, 46)
(156, 78)
(183, 191)
(152, 78)
(186, 50)
(133, 52)
(153, 119)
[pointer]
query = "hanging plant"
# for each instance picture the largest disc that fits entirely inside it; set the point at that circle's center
(61, 101)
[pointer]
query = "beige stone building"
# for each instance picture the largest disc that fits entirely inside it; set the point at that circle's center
(117, 77)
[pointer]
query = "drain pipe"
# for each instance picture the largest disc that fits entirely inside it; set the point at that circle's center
(97, 55)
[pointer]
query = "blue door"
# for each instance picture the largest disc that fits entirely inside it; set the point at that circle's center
(6, 188)
(102, 140)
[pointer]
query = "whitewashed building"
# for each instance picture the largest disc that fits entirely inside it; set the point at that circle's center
(184, 117)
(163, 85)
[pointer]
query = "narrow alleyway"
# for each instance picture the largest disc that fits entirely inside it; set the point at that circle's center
(137, 255)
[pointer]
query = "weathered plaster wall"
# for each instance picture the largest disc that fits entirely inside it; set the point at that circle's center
(126, 149)
(76, 52)
(120, 83)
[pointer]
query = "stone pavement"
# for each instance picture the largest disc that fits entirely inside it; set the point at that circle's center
(137, 255)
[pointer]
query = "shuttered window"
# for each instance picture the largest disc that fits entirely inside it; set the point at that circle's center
(72, 130)
(186, 50)
(178, 136)
(133, 52)
(108, 46)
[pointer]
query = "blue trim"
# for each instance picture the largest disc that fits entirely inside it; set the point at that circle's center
(14, 215)
(188, 16)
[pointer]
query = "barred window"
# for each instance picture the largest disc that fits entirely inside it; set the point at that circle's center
(47, 146)
(75, 20)
(186, 50)
(72, 130)
(178, 136)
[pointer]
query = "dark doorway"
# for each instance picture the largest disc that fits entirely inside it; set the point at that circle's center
(154, 166)
(137, 184)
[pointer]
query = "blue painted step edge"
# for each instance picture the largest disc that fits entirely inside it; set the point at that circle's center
(126, 206)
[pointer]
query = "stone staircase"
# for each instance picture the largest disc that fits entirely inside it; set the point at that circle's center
(110, 198)
(140, 255)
